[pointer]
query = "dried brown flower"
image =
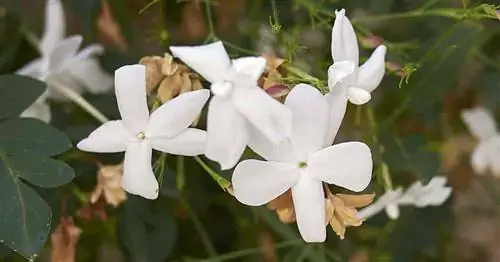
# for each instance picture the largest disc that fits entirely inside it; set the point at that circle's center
(64, 240)
(272, 75)
(109, 184)
(341, 210)
(283, 205)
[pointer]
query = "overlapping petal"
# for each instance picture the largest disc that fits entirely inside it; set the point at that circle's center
(348, 165)
(480, 122)
(260, 144)
(479, 158)
(33, 69)
(372, 71)
(358, 96)
(310, 120)
(309, 203)
(257, 182)
(110, 137)
(90, 74)
(227, 133)
(344, 42)
(269, 116)
(64, 51)
(174, 116)
(191, 142)
(210, 61)
(337, 102)
(251, 65)
(138, 177)
(55, 25)
(130, 90)
(341, 72)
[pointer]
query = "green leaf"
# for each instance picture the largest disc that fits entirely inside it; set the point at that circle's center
(147, 229)
(24, 216)
(17, 93)
(32, 136)
(87, 12)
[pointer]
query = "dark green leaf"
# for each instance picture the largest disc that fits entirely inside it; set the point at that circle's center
(147, 229)
(32, 136)
(87, 12)
(18, 93)
(42, 172)
(24, 216)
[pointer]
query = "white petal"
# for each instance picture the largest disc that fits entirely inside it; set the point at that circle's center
(358, 96)
(252, 65)
(210, 61)
(38, 110)
(281, 152)
(110, 137)
(257, 182)
(309, 203)
(191, 142)
(392, 211)
(174, 116)
(479, 159)
(90, 74)
(494, 155)
(480, 122)
(347, 165)
(370, 74)
(32, 68)
(310, 120)
(138, 177)
(337, 102)
(344, 42)
(272, 118)
(434, 197)
(63, 53)
(130, 90)
(227, 133)
(338, 72)
(55, 25)
(90, 51)
(389, 197)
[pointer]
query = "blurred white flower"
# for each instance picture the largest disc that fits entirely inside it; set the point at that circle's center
(434, 193)
(486, 155)
(61, 64)
(238, 103)
(166, 129)
(302, 163)
(347, 80)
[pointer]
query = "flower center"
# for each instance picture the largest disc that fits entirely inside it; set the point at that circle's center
(141, 136)
(222, 89)
(302, 165)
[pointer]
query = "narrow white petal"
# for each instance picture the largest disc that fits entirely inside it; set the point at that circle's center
(191, 142)
(227, 133)
(358, 96)
(344, 42)
(480, 122)
(388, 198)
(435, 197)
(392, 211)
(138, 177)
(32, 68)
(281, 152)
(309, 203)
(210, 61)
(272, 118)
(372, 71)
(89, 73)
(177, 114)
(130, 90)
(252, 65)
(257, 182)
(110, 137)
(337, 102)
(339, 72)
(348, 165)
(55, 25)
(479, 159)
(63, 53)
(310, 120)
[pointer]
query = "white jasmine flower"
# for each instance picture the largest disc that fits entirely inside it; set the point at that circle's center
(347, 80)
(166, 129)
(486, 155)
(303, 164)
(434, 193)
(238, 103)
(62, 64)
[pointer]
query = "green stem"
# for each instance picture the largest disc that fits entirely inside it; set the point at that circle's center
(251, 251)
(224, 183)
(205, 239)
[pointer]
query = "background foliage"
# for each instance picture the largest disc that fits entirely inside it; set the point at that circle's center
(443, 57)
